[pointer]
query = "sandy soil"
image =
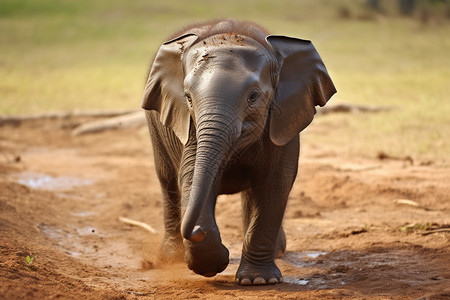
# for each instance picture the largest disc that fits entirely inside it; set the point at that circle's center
(348, 235)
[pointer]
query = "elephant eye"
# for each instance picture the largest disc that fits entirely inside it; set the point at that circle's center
(254, 95)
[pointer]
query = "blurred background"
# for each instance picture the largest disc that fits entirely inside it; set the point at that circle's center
(82, 54)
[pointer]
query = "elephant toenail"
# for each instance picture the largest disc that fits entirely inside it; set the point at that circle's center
(259, 281)
(273, 281)
(246, 281)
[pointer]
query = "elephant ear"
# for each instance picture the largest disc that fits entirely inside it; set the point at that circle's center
(164, 91)
(303, 83)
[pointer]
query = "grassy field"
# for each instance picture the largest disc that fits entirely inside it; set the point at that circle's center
(66, 55)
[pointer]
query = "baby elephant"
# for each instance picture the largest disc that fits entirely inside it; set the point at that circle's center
(225, 103)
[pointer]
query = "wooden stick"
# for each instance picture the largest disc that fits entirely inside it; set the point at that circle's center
(407, 202)
(436, 231)
(139, 224)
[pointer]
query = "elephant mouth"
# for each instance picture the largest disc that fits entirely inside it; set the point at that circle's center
(250, 133)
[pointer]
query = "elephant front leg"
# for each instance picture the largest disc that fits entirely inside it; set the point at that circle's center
(280, 246)
(166, 159)
(264, 239)
(172, 249)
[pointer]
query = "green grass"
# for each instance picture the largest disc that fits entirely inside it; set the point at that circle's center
(396, 63)
(67, 54)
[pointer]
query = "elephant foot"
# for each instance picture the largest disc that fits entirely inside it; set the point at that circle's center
(172, 250)
(258, 274)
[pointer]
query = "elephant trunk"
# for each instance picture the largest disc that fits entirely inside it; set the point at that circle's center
(215, 135)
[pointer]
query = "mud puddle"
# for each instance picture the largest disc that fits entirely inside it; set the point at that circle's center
(46, 182)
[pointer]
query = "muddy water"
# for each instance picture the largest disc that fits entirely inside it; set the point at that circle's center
(47, 182)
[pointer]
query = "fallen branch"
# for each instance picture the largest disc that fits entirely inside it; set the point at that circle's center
(139, 224)
(63, 115)
(140, 293)
(407, 202)
(414, 204)
(134, 119)
(436, 231)
(351, 108)
(384, 156)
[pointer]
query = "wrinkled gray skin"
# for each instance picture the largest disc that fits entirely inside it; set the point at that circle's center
(225, 104)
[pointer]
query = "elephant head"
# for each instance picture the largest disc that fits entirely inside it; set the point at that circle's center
(233, 88)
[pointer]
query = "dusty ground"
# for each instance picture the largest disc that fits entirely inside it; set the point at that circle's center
(348, 237)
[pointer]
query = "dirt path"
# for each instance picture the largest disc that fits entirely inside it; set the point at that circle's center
(348, 235)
